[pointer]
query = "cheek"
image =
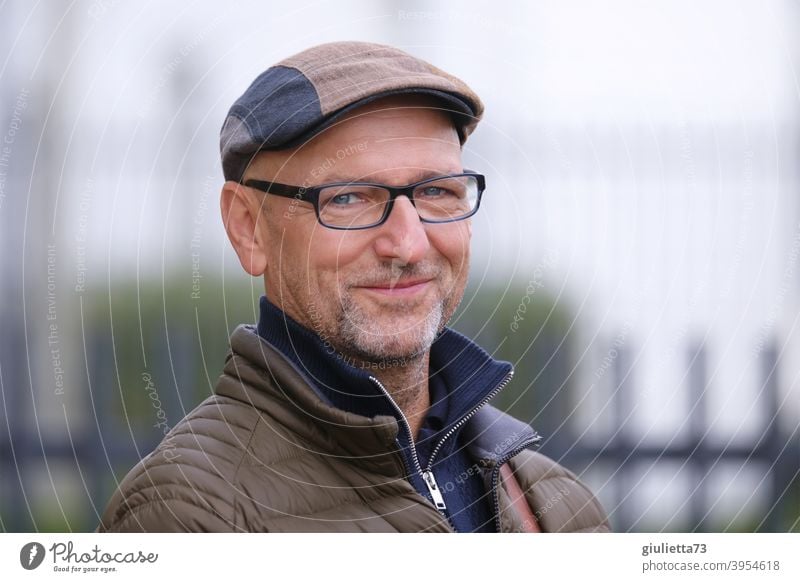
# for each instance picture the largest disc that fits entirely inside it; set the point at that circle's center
(332, 253)
(452, 242)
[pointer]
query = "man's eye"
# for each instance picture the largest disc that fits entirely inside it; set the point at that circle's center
(345, 199)
(437, 192)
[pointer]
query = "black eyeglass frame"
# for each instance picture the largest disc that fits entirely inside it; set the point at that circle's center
(311, 194)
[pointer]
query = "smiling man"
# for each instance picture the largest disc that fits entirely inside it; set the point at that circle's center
(351, 406)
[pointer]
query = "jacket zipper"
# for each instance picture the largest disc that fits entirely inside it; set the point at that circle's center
(427, 476)
(467, 416)
(534, 440)
(427, 473)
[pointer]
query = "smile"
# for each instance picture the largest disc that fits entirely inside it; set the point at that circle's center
(409, 288)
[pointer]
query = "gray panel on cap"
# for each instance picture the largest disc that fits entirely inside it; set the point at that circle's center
(277, 107)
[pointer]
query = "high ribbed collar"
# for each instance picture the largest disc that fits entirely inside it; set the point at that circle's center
(468, 373)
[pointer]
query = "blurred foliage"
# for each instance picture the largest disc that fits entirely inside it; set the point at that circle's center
(167, 343)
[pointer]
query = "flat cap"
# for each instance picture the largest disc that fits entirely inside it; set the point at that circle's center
(302, 95)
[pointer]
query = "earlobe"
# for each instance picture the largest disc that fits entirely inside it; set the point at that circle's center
(240, 214)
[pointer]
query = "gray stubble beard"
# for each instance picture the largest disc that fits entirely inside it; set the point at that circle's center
(356, 332)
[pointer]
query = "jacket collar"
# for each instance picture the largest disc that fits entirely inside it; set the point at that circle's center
(467, 372)
(337, 382)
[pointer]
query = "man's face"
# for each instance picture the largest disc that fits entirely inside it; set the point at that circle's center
(380, 293)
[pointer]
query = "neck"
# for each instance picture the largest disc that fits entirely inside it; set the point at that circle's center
(407, 384)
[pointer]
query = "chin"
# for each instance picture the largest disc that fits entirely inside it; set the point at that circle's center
(388, 336)
(399, 353)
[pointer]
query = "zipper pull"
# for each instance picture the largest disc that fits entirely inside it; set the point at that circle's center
(433, 489)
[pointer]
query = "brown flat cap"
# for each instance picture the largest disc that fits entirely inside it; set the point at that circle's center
(297, 98)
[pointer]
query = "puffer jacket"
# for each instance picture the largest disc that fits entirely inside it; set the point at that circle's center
(266, 454)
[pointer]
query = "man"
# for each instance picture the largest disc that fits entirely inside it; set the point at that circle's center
(351, 407)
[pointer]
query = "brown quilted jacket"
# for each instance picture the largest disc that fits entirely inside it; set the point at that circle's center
(267, 454)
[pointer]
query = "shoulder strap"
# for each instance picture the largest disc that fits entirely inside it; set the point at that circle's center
(520, 504)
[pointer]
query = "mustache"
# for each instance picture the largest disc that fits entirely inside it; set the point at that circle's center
(394, 272)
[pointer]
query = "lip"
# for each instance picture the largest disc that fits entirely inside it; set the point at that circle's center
(406, 288)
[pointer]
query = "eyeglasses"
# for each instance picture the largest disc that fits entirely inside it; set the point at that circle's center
(360, 205)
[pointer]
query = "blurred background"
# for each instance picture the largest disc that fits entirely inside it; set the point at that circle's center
(636, 257)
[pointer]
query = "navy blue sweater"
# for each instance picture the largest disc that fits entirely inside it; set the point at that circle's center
(462, 376)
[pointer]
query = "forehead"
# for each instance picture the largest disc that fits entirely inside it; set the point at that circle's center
(384, 137)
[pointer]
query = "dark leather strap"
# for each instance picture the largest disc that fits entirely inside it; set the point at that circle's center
(518, 501)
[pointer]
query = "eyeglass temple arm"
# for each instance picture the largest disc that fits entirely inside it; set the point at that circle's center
(298, 192)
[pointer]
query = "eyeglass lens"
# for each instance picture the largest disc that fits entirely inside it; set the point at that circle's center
(355, 205)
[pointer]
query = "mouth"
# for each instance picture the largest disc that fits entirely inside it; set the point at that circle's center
(401, 288)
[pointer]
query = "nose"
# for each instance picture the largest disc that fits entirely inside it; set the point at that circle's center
(402, 238)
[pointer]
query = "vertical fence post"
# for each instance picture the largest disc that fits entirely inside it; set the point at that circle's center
(620, 445)
(101, 387)
(784, 455)
(14, 385)
(698, 452)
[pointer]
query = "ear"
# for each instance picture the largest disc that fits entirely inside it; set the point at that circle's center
(240, 215)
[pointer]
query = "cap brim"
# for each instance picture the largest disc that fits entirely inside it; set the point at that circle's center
(464, 117)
